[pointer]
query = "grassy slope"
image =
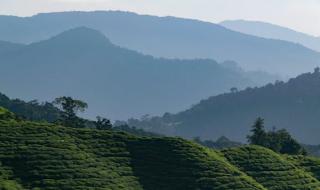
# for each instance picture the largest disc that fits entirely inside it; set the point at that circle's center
(271, 170)
(36, 155)
(309, 164)
(44, 156)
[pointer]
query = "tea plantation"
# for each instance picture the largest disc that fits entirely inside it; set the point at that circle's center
(45, 156)
(271, 170)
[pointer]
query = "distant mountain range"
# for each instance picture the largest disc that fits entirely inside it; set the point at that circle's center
(294, 105)
(272, 31)
(8, 46)
(116, 82)
(169, 37)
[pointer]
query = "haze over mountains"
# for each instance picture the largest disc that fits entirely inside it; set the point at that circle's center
(272, 31)
(169, 37)
(119, 83)
(8, 46)
(116, 82)
(294, 105)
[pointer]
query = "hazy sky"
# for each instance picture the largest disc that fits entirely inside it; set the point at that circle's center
(301, 15)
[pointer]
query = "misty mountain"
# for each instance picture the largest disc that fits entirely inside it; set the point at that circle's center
(116, 82)
(272, 31)
(169, 37)
(294, 105)
(8, 46)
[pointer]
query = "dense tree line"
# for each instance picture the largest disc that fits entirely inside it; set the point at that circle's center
(277, 140)
(32, 110)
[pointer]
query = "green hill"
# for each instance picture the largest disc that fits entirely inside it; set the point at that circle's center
(270, 169)
(292, 105)
(37, 155)
(309, 164)
(40, 155)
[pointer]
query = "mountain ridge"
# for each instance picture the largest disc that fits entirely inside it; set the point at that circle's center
(118, 82)
(170, 37)
(273, 31)
(292, 105)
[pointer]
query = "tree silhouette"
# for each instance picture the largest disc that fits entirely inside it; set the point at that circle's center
(103, 123)
(69, 109)
(259, 134)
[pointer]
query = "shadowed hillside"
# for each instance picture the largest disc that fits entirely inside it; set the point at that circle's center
(44, 156)
(270, 170)
(293, 105)
(35, 155)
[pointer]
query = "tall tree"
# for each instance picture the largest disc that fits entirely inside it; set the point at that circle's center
(69, 108)
(259, 134)
(277, 140)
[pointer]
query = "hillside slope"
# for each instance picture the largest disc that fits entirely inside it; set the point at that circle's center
(117, 82)
(270, 170)
(309, 164)
(168, 37)
(293, 105)
(45, 156)
(272, 31)
(34, 155)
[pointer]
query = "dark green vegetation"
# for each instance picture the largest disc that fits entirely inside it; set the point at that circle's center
(292, 105)
(118, 82)
(270, 169)
(35, 155)
(45, 156)
(32, 110)
(309, 164)
(69, 109)
(279, 141)
(168, 37)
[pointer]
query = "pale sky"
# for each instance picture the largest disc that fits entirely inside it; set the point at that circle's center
(301, 15)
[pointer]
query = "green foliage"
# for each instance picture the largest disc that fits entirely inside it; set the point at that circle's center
(69, 108)
(259, 135)
(44, 156)
(309, 164)
(271, 170)
(5, 114)
(9, 185)
(50, 157)
(293, 105)
(32, 110)
(103, 123)
(279, 141)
